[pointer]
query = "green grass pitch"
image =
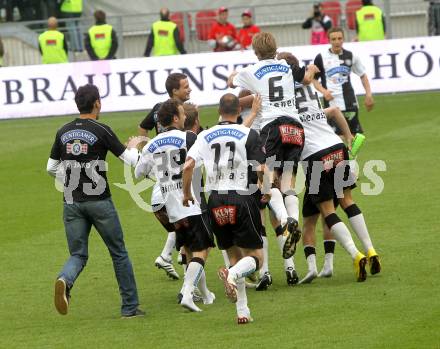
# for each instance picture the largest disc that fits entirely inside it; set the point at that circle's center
(399, 308)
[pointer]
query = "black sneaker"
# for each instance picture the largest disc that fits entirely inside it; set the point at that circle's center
(293, 235)
(291, 276)
(136, 313)
(62, 296)
(264, 282)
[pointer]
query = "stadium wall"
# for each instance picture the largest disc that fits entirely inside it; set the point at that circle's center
(137, 84)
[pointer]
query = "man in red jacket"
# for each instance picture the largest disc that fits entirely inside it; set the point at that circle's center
(249, 29)
(223, 35)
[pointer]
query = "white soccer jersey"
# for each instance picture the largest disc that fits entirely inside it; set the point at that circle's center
(256, 124)
(156, 195)
(226, 150)
(272, 79)
(318, 133)
(164, 156)
(335, 76)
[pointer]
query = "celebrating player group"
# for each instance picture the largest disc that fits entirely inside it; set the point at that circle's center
(214, 185)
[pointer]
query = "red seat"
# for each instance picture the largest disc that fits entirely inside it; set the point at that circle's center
(204, 21)
(350, 12)
(177, 17)
(333, 10)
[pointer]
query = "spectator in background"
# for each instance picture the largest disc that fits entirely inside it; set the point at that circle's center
(52, 44)
(223, 35)
(101, 41)
(2, 53)
(320, 24)
(370, 22)
(248, 31)
(164, 37)
(73, 9)
(434, 17)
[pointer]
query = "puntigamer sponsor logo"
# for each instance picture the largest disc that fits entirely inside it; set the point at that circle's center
(82, 135)
(175, 141)
(224, 132)
(270, 69)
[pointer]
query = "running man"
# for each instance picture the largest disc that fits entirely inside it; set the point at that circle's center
(80, 150)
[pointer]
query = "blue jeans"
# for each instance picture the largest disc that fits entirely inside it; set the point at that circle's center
(78, 220)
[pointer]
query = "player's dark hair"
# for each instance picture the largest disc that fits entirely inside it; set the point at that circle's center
(173, 82)
(229, 105)
(167, 111)
(99, 17)
(192, 115)
(85, 98)
(335, 30)
(367, 2)
(290, 58)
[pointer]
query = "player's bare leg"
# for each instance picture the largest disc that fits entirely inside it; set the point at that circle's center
(309, 242)
(342, 234)
(357, 222)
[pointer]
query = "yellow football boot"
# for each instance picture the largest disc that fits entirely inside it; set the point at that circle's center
(360, 263)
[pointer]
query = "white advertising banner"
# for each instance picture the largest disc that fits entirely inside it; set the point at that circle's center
(137, 84)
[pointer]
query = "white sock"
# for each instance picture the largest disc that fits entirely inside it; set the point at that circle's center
(342, 234)
(292, 206)
(170, 244)
(311, 260)
(289, 263)
(360, 228)
(203, 287)
(328, 261)
(243, 268)
(281, 239)
(192, 278)
(226, 259)
(265, 267)
(277, 205)
(242, 307)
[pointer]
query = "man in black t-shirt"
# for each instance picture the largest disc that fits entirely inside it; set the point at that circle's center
(78, 154)
(177, 86)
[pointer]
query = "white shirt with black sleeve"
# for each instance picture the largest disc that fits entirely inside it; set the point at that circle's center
(226, 151)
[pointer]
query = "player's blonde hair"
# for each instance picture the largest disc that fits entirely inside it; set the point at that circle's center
(264, 45)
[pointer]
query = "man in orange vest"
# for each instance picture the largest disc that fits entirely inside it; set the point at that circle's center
(101, 42)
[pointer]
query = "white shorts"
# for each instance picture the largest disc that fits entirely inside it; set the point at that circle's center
(156, 195)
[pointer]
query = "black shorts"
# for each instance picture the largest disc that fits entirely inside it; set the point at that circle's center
(284, 139)
(194, 232)
(352, 118)
(330, 158)
(258, 196)
(236, 220)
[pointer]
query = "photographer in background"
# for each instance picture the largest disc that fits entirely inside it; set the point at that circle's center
(320, 23)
